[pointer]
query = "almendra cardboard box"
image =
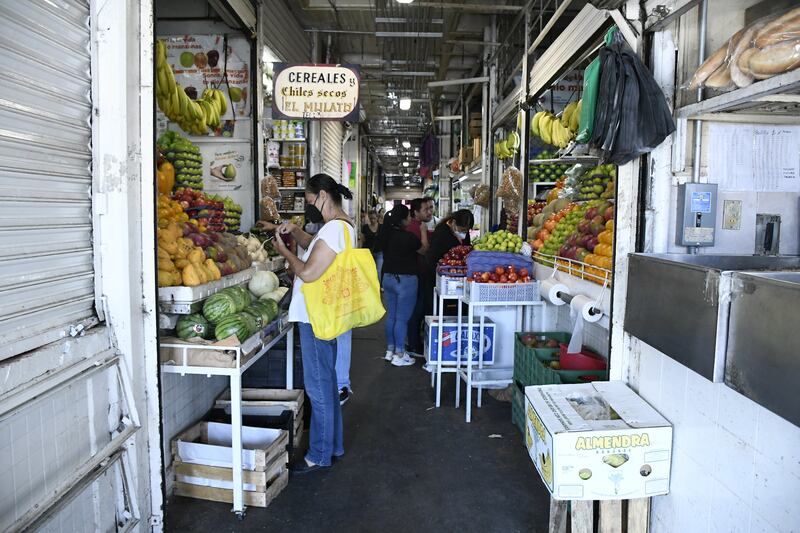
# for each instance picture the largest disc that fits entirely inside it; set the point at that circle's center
(597, 441)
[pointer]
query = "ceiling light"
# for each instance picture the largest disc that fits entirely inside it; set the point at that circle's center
(404, 1)
(407, 187)
(406, 174)
(406, 163)
(405, 104)
(406, 144)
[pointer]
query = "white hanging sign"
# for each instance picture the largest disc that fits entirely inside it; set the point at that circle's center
(317, 92)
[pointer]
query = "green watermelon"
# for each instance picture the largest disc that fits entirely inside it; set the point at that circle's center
(272, 306)
(232, 325)
(246, 294)
(218, 306)
(250, 322)
(241, 297)
(194, 325)
(256, 314)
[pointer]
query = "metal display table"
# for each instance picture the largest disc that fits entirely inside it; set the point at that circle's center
(480, 377)
(246, 355)
(440, 366)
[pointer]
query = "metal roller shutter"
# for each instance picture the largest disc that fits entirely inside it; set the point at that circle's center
(332, 137)
(46, 256)
(281, 31)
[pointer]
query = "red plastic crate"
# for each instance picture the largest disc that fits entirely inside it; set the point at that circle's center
(585, 360)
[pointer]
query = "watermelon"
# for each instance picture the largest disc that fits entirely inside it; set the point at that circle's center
(194, 325)
(232, 325)
(246, 295)
(272, 307)
(250, 322)
(219, 306)
(260, 313)
(240, 295)
(257, 315)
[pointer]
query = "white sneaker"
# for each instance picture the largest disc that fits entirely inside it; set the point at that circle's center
(405, 360)
(389, 355)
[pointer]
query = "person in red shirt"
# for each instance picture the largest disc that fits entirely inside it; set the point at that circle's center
(421, 214)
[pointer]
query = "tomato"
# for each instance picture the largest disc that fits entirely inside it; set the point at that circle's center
(499, 271)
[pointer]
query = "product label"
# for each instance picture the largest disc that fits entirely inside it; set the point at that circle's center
(322, 92)
(612, 442)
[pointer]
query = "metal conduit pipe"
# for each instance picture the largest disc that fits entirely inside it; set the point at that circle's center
(698, 124)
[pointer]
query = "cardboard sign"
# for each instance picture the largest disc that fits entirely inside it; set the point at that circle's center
(317, 92)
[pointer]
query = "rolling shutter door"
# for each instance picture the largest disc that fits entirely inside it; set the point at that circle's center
(332, 137)
(281, 31)
(46, 257)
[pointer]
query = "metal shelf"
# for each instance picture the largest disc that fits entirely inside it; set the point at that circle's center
(182, 300)
(569, 160)
(290, 169)
(298, 189)
(291, 212)
(776, 97)
(287, 140)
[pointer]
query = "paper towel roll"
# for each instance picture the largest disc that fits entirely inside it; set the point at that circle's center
(550, 288)
(583, 305)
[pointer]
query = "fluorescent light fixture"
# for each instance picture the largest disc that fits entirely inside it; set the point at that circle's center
(406, 144)
(477, 171)
(417, 34)
(405, 104)
(462, 178)
(406, 174)
(406, 164)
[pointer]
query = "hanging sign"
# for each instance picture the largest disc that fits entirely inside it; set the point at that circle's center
(316, 92)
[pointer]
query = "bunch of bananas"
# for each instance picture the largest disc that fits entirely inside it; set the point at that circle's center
(554, 130)
(507, 148)
(193, 116)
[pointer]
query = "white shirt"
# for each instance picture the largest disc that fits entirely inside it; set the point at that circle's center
(333, 235)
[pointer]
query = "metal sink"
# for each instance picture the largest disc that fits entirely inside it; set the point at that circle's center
(680, 303)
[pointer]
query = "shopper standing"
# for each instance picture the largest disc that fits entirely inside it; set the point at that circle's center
(369, 232)
(421, 214)
(323, 204)
(452, 231)
(401, 249)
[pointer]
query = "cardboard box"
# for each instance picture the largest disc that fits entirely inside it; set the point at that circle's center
(450, 340)
(580, 458)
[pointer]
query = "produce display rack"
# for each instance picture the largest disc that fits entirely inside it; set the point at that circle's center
(250, 351)
(185, 300)
(439, 367)
(567, 160)
(481, 377)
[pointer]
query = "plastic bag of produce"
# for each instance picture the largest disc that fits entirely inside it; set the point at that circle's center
(269, 187)
(510, 185)
(591, 82)
(481, 195)
(268, 210)
(632, 115)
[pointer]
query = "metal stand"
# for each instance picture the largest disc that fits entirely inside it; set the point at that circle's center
(234, 374)
(438, 310)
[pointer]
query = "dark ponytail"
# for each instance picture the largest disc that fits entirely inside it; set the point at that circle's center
(463, 218)
(323, 182)
(392, 221)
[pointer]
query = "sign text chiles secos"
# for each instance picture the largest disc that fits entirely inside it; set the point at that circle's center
(316, 92)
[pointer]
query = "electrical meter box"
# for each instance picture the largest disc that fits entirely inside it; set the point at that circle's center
(697, 214)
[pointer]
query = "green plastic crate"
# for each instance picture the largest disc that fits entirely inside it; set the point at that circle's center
(518, 408)
(525, 363)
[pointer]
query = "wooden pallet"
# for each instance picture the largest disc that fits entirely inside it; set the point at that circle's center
(614, 516)
(263, 457)
(269, 483)
(289, 400)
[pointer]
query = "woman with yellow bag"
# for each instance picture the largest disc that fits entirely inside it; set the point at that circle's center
(335, 289)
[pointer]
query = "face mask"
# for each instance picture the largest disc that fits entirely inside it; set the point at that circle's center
(313, 214)
(461, 235)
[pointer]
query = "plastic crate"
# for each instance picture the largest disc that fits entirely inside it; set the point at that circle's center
(584, 360)
(530, 369)
(549, 354)
(518, 408)
(450, 285)
(503, 292)
(479, 261)
(524, 359)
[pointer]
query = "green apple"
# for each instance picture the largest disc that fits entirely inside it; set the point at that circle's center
(187, 59)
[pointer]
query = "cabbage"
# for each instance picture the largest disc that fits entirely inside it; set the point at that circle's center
(276, 295)
(263, 282)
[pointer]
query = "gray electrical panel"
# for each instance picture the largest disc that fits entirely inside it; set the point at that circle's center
(697, 214)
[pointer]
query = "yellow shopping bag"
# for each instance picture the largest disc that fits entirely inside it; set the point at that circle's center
(347, 295)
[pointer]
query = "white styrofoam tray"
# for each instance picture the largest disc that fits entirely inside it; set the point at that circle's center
(217, 451)
(190, 295)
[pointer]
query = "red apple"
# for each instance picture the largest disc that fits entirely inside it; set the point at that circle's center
(485, 276)
(493, 277)
(609, 213)
(503, 279)
(512, 277)
(523, 272)
(499, 271)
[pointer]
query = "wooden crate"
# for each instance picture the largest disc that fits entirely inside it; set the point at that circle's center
(269, 483)
(263, 456)
(614, 516)
(476, 149)
(289, 400)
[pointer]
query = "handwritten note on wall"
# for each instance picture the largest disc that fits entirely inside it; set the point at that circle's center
(754, 157)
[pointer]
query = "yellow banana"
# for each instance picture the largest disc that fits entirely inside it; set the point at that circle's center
(184, 101)
(161, 53)
(535, 123)
(223, 102)
(574, 119)
(545, 129)
(170, 78)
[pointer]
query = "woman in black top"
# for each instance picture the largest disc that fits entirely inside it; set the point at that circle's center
(369, 233)
(452, 231)
(400, 249)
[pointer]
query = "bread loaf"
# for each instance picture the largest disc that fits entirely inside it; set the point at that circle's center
(779, 29)
(744, 61)
(775, 59)
(708, 67)
(739, 77)
(721, 78)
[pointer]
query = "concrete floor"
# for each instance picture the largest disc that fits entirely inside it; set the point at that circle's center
(407, 466)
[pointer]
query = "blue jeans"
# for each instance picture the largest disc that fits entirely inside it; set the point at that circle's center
(378, 257)
(344, 343)
(319, 361)
(401, 297)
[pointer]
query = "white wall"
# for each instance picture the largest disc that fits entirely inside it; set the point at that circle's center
(735, 465)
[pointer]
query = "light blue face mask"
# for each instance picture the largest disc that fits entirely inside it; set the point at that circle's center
(461, 235)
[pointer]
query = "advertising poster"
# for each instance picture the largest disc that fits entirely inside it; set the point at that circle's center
(317, 92)
(202, 61)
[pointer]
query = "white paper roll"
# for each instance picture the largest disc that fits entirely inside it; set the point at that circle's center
(550, 288)
(583, 306)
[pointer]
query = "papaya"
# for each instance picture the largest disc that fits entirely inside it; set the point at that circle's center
(190, 277)
(212, 267)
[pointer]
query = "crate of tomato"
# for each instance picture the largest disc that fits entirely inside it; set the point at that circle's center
(451, 271)
(501, 277)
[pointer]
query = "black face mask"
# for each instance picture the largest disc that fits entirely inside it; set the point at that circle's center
(313, 214)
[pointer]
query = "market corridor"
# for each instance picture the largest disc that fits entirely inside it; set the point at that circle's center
(406, 466)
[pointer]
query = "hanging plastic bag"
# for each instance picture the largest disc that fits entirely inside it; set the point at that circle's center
(347, 295)
(591, 81)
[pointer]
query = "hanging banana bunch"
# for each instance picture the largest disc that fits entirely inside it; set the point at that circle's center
(193, 116)
(554, 130)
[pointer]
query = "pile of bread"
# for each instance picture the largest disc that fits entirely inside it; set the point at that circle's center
(765, 48)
